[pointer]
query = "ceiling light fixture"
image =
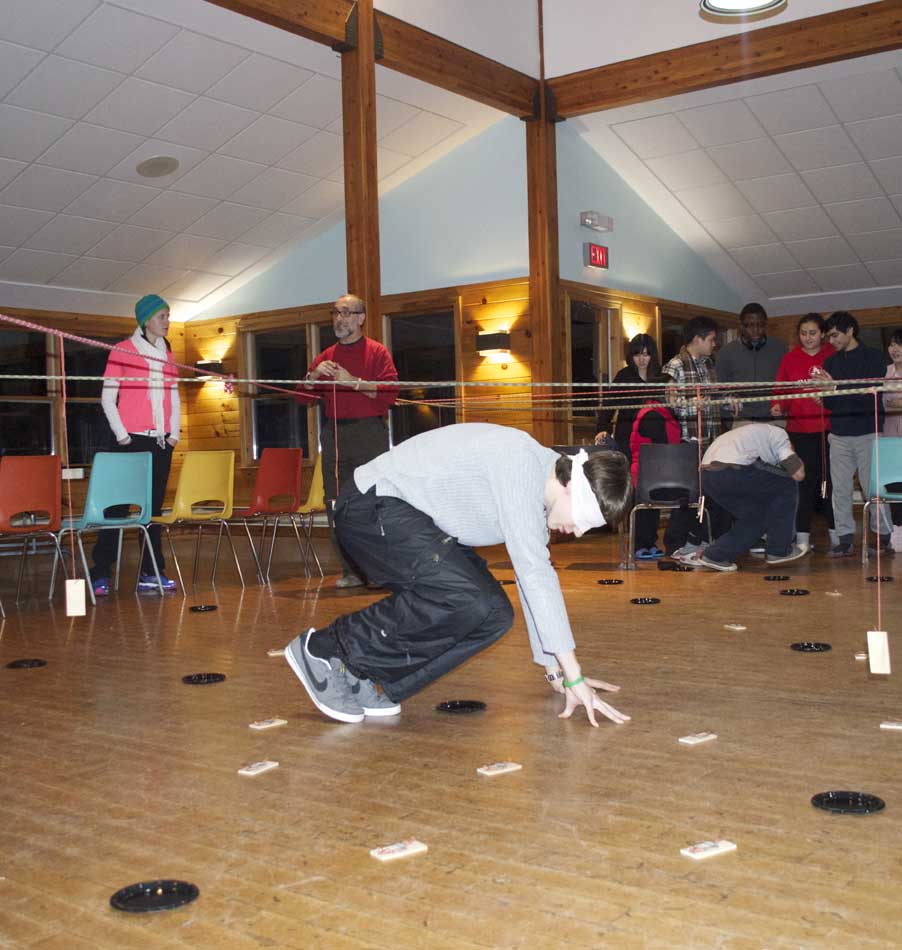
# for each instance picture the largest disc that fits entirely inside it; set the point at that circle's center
(741, 8)
(158, 167)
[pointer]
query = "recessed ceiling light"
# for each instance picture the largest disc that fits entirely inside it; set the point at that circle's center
(741, 8)
(158, 166)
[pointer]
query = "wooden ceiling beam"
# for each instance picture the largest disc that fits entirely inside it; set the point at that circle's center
(813, 41)
(406, 49)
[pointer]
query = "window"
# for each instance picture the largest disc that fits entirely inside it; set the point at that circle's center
(589, 359)
(26, 410)
(423, 350)
(86, 425)
(277, 419)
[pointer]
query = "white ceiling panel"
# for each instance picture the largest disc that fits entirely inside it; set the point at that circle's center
(822, 252)
(722, 123)
(91, 149)
(791, 283)
(91, 274)
(390, 115)
(889, 174)
(878, 245)
(656, 136)
(112, 200)
(67, 234)
(33, 267)
(757, 158)
(138, 106)
(26, 133)
(195, 286)
(388, 163)
(277, 229)
(319, 201)
(5, 252)
(16, 62)
(9, 169)
(422, 132)
(138, 279)
(63, 87)
(848, 277)
(741, 232)
(268, 140)
(886, 272)
(187, 158)
(234, 258)
(765, 259)
(218, 177)
(843, 183)
(192, 62)
(776, 193)
(172, 211)
(186, 250)
(800, 223)
(116, 39)
(273, 189)
(43, 24)
(46, 189)
(206, 124)
(878, 138)
(867, 214)
(129, 243)
(715, 202)
(17, 225)
(865, 96)
(819, 148)
(792, 110)
(259, 82)
(318, 157)
(317, 102)
(228, 221)
(686, 170)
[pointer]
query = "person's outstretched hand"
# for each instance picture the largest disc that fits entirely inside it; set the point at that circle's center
(558, 685)
(584, 695)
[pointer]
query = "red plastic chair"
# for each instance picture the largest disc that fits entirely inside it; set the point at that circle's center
(30, 503)
(277, 492)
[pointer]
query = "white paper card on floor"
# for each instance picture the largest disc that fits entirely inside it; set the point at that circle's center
(75, 597)
(707, 849)
(878, 652)
(402, 849)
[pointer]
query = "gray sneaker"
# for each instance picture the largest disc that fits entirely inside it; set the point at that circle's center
(324, 680)
(373, 702)
(797, 551)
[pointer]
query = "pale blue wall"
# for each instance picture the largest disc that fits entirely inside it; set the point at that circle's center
(646, 256)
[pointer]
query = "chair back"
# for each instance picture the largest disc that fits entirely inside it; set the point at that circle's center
(206, 478)
(316, 496)
(277, 488)
(119, 478)
(890, 487)
(668, 474)
(30, 493)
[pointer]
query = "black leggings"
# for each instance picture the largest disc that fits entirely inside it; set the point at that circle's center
(810, 447)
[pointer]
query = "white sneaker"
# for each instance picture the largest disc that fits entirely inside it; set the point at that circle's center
(798, 550)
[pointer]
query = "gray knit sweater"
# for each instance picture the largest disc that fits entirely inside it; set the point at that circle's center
(483, 484)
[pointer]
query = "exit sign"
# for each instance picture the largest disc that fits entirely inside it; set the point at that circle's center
(595, 255)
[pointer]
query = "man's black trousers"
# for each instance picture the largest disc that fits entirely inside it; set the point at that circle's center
(444, 607)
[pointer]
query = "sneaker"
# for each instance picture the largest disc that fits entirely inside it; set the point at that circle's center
(797, 551)
(149, 582)
(885, 545)
(843, 549)
(371, 700)
(349, 580)
(101, 586)
(325, 681)
(705, 561)
(686, 554)
(758, 547)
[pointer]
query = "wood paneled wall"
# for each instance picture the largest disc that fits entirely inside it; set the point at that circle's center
(784, 328)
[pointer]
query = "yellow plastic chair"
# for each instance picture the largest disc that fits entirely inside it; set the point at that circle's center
(314, 505)
(207, 479)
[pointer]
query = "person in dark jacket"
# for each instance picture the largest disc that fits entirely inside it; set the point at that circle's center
(642, 365)
(853, 429)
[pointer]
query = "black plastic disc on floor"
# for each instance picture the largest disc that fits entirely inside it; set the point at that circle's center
(776, 577)
(610, 581)
(795, 592)
(203, 679)
(674, 566)
(810, 646)
(645, 600)
(148, 897)
(883, 578)
(461, 706)
(203, 608)
(25, 664)
(848, 803)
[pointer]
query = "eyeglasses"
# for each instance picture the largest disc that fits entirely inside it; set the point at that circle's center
(337, 312)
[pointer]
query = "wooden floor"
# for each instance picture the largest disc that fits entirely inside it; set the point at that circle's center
(114, 772)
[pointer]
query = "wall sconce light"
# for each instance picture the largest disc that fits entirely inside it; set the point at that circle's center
(596, 221)
(206, 367)
(490, 343)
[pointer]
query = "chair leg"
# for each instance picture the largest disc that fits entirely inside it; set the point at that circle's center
(84, 564)
(21, 569)
(175, 561)
(119, 561)
(145, 536)
(216, 555)
(200, 528)
(225, 524)
(250, 542)
(864, 531)
(312, 547)
(2, 611)
(57, 558)
(292, 518)
(630, 560)
(272, 545)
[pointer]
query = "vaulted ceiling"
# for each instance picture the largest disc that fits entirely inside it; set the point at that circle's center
(790, 186)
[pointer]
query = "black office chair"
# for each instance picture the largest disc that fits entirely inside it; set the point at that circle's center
(667, 479)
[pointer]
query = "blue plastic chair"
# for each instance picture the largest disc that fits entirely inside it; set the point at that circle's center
(117, 478)
(890, 487)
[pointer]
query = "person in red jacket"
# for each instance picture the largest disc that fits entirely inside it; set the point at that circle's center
(655, 423)
(356, 407)
(807, 422)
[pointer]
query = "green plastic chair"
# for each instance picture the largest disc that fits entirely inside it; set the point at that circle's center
(117, 479)
(890, 487)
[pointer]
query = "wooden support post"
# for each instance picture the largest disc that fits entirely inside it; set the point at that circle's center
(358, 91)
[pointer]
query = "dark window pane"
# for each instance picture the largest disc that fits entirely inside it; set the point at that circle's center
(85, 360)
(88, 430)
(326, 336)
(423, 349)
(22, 352)
(281, 354)
(25, 428)
(279, 423)
(584, 355)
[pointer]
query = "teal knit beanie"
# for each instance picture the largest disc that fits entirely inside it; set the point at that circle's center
(147, 306)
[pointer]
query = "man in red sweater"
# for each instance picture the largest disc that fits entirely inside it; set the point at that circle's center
(356, 406)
